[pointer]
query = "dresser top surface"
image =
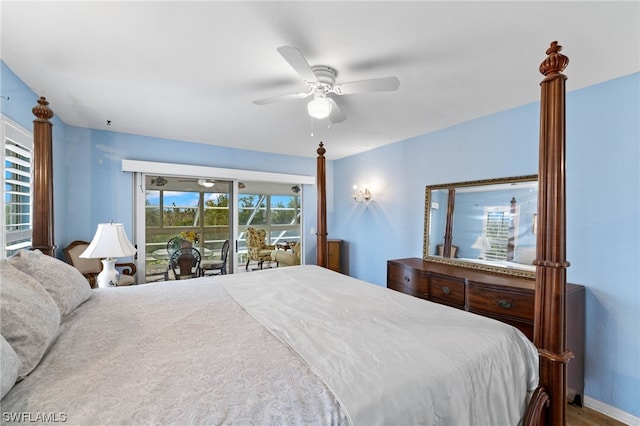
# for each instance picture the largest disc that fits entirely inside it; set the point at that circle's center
(474, 276)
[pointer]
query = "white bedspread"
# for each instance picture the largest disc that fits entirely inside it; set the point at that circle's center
(393, 359)
(175, 353)
(185, 353)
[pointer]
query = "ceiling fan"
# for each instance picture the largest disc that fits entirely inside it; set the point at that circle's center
(320, 80)
(207, 183)
(159, 181)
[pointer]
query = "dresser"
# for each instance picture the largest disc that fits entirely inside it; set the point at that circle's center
(506, 298)
(335, 255)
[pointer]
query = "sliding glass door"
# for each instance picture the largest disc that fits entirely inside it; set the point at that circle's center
(276, 208)
(197, 211)
(207, 212)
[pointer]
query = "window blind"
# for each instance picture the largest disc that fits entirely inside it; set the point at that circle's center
(16, 174)
(497, 222)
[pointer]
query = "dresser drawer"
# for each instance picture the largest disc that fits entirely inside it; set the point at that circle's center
(407, 280)
(503, 301)
(446, 290)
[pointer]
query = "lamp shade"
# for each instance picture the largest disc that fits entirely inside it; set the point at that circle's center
(110, 241)
(319, 108)
(481, 243)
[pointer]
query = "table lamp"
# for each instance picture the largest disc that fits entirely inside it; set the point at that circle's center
(481, 243)
(109, 242)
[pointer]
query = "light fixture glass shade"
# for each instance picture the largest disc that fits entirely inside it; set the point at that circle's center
(110, 240)
(206, 183)
(362, 196)
(319, 108)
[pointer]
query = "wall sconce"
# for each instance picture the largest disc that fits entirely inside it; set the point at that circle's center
(361, 196)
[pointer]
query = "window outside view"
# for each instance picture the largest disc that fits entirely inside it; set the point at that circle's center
(203, 217)
(16, 215)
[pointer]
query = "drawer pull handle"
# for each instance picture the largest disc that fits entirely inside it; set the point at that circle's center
(505, 304)
(407, 279)
(446, 290)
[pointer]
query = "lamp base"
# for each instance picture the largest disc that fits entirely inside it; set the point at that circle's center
(109, 276)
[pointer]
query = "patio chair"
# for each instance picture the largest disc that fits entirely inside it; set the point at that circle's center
(259, 251)
(216, 265)
(185, 263)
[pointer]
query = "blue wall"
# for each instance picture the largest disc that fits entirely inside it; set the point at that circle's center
(18, 108)
(603, 238)
(499, 145)
(603, 211)
(603, 162)
(98, 182)
(468, 217)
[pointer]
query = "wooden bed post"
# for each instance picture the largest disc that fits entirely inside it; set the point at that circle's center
(448, 230)
(551, 264)
(322, 258)
(42, 214)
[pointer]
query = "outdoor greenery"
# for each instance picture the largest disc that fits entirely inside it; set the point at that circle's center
(205, 218)
(216, 212)
(252, 210)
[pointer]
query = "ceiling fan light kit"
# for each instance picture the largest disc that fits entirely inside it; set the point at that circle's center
(319, 108)
(320, 80)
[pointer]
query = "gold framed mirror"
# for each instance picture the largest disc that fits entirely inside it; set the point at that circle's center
(487, 224)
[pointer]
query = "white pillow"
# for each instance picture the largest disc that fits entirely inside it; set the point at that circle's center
(29, 318)
(68, 287)
(9, 367)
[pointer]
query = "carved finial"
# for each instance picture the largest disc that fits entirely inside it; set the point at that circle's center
(555, 62)
(42, 111)
(321, 149)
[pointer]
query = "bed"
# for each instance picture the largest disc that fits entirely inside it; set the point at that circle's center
(281, 346)
(501, 263)
(299, 345)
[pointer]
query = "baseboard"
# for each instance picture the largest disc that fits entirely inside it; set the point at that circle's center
(613, 412)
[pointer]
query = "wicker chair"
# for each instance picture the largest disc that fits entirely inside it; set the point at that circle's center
(185, 263)
(90, 268)
(259, 251)
(216, 265)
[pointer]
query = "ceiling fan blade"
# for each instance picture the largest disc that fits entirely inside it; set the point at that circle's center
(280, 98)
(299, 63)
(336, 115)
(374, 85)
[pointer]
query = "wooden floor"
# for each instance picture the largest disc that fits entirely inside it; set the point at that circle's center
(577, 416)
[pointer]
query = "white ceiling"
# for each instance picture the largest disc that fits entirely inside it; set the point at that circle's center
(190, 70)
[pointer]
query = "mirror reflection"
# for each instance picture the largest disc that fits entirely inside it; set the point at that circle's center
(488, 224)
